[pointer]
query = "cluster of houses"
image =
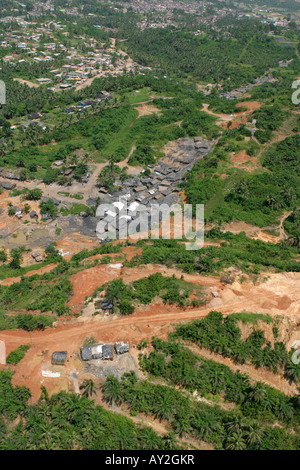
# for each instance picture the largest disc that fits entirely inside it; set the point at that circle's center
(78, 66)
(103, 351)
(137, 197)
(89, 103)
(90, 352)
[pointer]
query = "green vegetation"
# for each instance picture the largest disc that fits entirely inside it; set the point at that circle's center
(182, 367)
(292, 226)
(143, 291)
(48, 292)
(253, 318)
(142, 155)
(249, 255)
(249, 424)
(37, 293)
(15, 356)
(26, 322)
(33, 194)
(199, 399)
(48, 208)
(233, 59)
(224, 337)
(259, 197)
(269, 117)
(16, 258)
(65, 421)
(77, 209)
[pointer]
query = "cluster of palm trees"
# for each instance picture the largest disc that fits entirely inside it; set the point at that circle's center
(224, 337)
(243, 434)
(228, 430)
(182, 368)
(68, 421)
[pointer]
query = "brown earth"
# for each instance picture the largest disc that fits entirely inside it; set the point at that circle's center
(278, 295)
(244, 161)
(236, 119)
(26, 82)
(145, 109)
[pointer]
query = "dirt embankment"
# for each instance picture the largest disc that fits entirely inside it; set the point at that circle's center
(234, 120)
(278, 295)
(244, 161)
(11, 280)
(257, 375)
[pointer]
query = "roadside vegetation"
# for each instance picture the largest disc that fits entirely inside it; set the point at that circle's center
(126, 297)
(249, 255)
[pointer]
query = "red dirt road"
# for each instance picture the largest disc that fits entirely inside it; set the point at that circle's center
(155, 320)
(278, 295)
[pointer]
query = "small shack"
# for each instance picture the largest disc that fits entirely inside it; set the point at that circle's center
(122, 347)
(59, 358)
(86, 353)
(107, 305)
(108, 352)
(97, 351)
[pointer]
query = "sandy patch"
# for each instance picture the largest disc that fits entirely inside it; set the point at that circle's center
(146, 109)
(26, 82)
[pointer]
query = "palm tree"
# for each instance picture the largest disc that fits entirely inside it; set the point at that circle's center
(150, 440)
(44, 394)
(74, 159)
(85, 158)
(48, 435)
(235, 425)
(88, 387)
(292, 371)
(163, 408)
(181, 424)
(235, 441)
(254, 435)
(170, 441)
(284, 409)
(288, 195)
(70, 439)
(257, 393)
(273, 202)
(240, 188)
(294, 240)
(112, 390)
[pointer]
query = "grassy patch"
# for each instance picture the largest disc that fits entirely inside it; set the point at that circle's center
(247, 317)
(14, 357)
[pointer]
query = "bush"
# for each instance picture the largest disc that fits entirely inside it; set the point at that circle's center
(33, 194)
(14, 357)
(29, 322)
(126, 307)
(3, 256)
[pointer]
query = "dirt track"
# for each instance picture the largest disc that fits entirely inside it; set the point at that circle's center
(279, 295)
(235, 119)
